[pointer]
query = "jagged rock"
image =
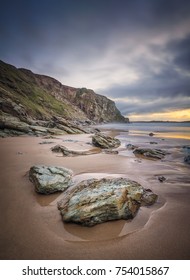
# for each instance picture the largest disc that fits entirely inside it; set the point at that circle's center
(13, 126)
(131, 147)
(150, 153)
(148, 197)
(69, 153)
(151, 134)
(39, 129)
(68, 126)
(13, 123)
(161, 179)
(105, 142)
(97, 107)
(10, 107)
(187, 159)
(50, 179)
(96, 201)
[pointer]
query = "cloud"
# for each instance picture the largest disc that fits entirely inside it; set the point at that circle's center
(128, 50)
(160, 105)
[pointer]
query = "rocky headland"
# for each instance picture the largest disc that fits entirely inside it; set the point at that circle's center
(40, 105)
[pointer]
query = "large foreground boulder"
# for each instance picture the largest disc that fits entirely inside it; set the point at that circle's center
(96, 201)
(50, 179)
(105, 142)
(150, 153)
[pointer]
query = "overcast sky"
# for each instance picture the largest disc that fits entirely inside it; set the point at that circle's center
(136, 52)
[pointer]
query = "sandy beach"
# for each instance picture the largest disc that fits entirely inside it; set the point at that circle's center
(31, 226)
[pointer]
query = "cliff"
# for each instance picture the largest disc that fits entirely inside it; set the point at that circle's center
(37, 99)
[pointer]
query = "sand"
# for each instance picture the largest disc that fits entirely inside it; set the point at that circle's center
(31, 226)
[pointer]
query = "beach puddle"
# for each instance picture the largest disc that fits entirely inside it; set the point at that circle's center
(45, 200)
(106, 231)
(113, 229)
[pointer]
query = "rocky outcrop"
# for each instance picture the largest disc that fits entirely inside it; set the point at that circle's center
(70, 153)
(96, 201)
(105, 142)
(151, 134)
(14, 124)
(97, 107)
(43, 101)
(50, 179)
(150, 153)
(11, 126)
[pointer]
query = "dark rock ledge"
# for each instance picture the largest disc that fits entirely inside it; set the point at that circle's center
(150, 153)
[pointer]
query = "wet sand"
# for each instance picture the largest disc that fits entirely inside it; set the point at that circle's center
(31, 226)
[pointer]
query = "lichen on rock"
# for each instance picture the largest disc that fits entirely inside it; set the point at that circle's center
(96, 201)
(150, 153)
(105, 142)
(50, 179)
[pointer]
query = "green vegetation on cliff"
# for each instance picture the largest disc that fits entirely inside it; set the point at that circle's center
(24, 94)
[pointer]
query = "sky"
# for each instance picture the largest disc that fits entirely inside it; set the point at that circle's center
(135, 52)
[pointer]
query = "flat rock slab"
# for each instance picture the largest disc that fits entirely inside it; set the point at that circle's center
(50, 179)
(105, 142)
(70, 153)
(96, 201)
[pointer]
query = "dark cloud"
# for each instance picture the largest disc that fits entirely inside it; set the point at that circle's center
(136, 50)
(160, 105)
(180, 49)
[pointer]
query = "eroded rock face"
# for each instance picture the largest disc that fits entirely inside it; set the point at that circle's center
(105, 142)
(96, 201)
(26, 95)
(50, 179)
(150, 153)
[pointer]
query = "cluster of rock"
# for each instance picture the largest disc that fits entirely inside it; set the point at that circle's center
(91, 201)
(99, 140)
(13, 126)
(69, 153)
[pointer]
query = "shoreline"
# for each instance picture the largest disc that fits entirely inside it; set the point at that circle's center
(31, 225)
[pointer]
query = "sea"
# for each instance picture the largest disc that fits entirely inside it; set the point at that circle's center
(176, 130)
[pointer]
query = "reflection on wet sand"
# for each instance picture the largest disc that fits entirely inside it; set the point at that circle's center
(32, 227)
